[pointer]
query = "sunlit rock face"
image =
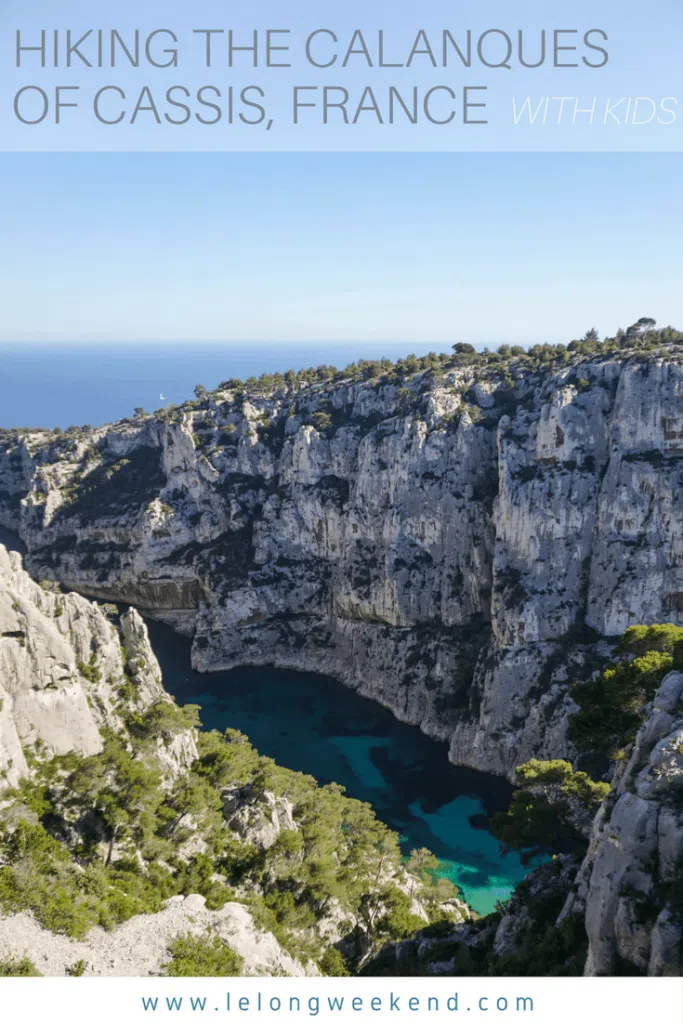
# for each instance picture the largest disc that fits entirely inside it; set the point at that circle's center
(63, 665)
(455, 547)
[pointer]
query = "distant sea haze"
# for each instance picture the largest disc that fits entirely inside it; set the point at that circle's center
(61, 385)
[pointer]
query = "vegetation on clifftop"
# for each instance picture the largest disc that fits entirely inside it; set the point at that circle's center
(506, 364)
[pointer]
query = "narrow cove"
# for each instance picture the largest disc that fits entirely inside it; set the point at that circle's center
(316, 725)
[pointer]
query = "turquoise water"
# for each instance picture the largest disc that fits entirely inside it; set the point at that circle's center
(315, 725)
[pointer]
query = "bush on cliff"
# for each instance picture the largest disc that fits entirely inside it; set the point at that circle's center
(198, 956)
(13, 967)
(554, 807)
(611, 707)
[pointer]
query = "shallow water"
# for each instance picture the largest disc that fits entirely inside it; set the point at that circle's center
(316, 725)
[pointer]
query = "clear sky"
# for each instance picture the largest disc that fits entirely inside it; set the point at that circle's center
(481, 247)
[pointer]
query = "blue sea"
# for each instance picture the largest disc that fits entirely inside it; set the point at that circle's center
(62, 385)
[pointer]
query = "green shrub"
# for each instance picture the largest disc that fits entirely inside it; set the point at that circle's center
(611, 707)
(322, 421)
(90, 671)
(333, 964)
(543, 811)
(546, 949)
(559, 775)
(11, 967)
(165, 720)
(400, 922)
(532, 824)
(195, 956)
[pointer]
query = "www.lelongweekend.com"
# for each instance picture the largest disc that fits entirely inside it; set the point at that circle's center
(312, 1006)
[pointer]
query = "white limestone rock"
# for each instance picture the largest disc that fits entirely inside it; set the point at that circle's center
(62, 667)
(139, 946)
(257, 820)
(629, 879)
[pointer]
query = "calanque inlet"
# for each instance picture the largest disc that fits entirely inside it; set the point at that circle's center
(490, 546)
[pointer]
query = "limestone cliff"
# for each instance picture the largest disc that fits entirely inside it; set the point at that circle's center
(629, 885)
(454, 545)
(63, 664)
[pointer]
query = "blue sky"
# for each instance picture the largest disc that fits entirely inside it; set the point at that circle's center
(424, 247)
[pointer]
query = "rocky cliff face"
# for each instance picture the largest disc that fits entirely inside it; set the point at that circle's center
(455, 546)
(629, 885)
(62, 666)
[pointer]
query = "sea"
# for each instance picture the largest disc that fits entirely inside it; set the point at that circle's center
(62, 385)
